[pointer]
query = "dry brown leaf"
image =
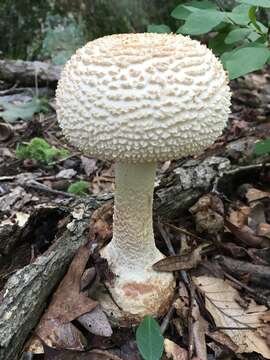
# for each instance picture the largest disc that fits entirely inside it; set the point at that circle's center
(241, 325)
(174, 351)
(239, 217)
(101, 224)
(89, 165)
(256, 194)
(264, 230)
(67, 304)
(245, 234)
(208, 212)
(179, 262)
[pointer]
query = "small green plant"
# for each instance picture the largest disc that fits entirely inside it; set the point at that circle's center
(79, 188)
(39, 150)
(238, 36)
(149, 339)
(62, 36)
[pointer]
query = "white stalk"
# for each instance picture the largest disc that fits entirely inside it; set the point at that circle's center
(137, 289)
(133, 242)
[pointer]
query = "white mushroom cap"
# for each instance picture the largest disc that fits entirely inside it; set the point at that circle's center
(143, 97)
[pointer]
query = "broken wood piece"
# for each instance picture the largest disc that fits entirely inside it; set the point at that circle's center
(258, 275)
(30, 72)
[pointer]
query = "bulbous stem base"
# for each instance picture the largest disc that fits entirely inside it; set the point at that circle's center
(137, 289)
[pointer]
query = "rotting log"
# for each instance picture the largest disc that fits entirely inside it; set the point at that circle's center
(29, 73)
(24, 296)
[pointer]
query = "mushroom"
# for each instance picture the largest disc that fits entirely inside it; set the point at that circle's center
(138, 99)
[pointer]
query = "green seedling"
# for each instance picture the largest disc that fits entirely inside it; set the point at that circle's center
(39, 150)
(79, 188)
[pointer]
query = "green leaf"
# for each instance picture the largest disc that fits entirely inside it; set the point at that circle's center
(181, 12)
(241, 9)
(160, 29)
(262, 147)
(24, 111)
(149, 339)
(201, 22)
(79, 188)
(61, 38)
(218, 45)
(245, 60)
(261, 3)
(239, 19)
(237, 35)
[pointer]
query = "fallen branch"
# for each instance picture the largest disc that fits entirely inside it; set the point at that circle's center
(30, 72)
(258, 275)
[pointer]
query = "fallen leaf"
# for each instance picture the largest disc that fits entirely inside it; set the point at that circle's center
(66, 174)
(208, 212)
(34, 346)
(25, 111)
(241, 325)
(174, 351)
(264, 230)
(257, 215)
(101, 224)
(239, 217)
(61, 336)
(245, 234)
(89, 165)
(254, 194)
(179, 262)
(67, 304)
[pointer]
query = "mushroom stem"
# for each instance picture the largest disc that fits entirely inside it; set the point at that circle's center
(137, 288)
(133, 238)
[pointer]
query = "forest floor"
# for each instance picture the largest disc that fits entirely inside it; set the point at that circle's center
(218, 238)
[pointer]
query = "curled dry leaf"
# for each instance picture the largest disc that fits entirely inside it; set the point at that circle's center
(179, 262)
(241, 325)
(67, 304)
(101, 224)
(208, 212)
(176, 352)
(6, 132)
(239, 217)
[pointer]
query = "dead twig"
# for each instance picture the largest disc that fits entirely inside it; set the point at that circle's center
(41, 187)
